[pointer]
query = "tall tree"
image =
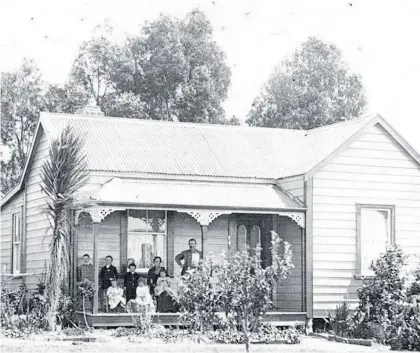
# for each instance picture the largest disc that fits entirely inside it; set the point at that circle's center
(314, 88)
(21, 101)
(172, 71)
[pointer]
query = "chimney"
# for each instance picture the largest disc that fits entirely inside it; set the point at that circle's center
(91, 109)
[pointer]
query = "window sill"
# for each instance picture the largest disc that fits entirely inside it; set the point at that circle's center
(14, 275)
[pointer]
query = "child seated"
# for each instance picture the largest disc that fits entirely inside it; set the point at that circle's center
(143, 297)
(162, 284)
(115, 295)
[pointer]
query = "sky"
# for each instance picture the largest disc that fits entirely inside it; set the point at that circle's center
(379, 39)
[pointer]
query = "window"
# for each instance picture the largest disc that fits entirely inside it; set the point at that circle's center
(146, 236)
(253, 241)
(375, 232)
(16, 239)
(242, 235)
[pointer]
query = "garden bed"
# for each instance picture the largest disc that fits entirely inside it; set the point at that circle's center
(335, 338)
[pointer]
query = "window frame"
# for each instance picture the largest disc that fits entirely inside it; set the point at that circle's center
(148, 232)
(359, 207)
(16, 263)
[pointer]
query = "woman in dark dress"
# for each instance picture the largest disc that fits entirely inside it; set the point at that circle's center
(153, 274)
(131, 280)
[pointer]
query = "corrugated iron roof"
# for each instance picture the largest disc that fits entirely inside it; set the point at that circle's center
(244, 196)
(161, 147)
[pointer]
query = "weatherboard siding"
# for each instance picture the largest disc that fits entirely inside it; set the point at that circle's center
(372, 170)
(294, 185)
(37, 225)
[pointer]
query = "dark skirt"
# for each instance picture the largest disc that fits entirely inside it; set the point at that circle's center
(166, 304)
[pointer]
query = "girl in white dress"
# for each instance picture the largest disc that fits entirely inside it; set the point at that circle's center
(143, 297)
(115, 295)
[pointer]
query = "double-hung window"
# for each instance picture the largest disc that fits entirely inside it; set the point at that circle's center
(375, 231)
(16, 242)
(146, 237)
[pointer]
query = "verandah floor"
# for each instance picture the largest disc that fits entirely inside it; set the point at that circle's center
(173, 319)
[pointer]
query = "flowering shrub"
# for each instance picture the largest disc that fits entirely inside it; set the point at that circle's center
(198, 297)
(240, 288)
(378, 294)
(404, 333)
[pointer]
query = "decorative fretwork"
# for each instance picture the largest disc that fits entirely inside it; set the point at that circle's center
(97, 214)
(205, 217)
(298, 217)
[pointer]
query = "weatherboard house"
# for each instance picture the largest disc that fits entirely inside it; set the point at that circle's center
(338, 194)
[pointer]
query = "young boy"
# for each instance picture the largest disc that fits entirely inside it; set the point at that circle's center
(107, 272)
(131, 280)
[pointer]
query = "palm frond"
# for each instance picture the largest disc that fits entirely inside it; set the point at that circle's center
(63, 175)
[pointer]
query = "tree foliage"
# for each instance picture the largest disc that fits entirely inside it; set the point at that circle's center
(313, 88)
(172, 71)
(62, 175)
(21, 101)
(237, 286)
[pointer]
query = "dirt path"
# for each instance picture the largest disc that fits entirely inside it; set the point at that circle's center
(120, 345)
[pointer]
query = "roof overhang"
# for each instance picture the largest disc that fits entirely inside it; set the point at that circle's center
(167, 194)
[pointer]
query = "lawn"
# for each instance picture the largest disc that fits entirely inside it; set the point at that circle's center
(110, 344)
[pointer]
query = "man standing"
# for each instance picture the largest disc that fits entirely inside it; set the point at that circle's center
(190, 257)
(107, 272)
(85, 271)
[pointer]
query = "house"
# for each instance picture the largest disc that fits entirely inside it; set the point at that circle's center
(338, 194)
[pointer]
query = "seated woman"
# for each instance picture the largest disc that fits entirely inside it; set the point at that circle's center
(143, 297)
(115, 295)
(164, 294)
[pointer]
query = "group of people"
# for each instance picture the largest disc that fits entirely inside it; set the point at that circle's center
(151, 293)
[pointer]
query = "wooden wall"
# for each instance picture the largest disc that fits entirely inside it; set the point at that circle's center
(110, 233)
(288, 296)
(37, 225)
(372, 170)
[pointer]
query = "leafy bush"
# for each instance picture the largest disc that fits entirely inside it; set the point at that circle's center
(66, 311)
(22, 313)
(198, 297)
(339, 322)
(265, 334)
(238, 286)
(378, 294)
(142, 320)
(404, 334)
(123, 332)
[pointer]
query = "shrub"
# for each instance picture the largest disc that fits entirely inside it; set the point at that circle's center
(66, 311)
(265, 334)
(378, 294)
(404, 333)
(339, 322)
(142, 320)
(198, 297)
(22, 313)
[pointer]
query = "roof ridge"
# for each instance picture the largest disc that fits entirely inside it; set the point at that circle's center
(341, 123)
(165, 122)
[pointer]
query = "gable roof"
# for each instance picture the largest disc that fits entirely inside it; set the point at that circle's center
(188, 149)
(161, 147)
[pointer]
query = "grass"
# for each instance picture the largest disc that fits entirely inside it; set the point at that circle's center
(108, 344)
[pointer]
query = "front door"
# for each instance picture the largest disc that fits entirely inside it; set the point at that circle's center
(249, 233)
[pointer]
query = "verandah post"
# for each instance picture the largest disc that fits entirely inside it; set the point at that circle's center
(204, 231)
(95, 266)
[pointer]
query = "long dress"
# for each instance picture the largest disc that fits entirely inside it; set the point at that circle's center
(115, 296)
(143, 298)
